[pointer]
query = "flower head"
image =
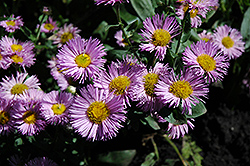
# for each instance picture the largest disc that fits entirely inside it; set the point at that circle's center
(13, 87)
(206, 36)
(175, 131)
(185, 90)
(81, 59)
(108, 2)
(11, 24)
(158, 33)
(7, 122)
(17, 52)
(229, 40)
(48, 26)
(144, 91)
(64, 34)
(28, 117)
(55, 107)
(119, 39)
(205, 59)
(119, 80)
(97, 115)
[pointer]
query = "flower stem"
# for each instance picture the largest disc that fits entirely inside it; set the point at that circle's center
(155, 148)
(176, 149)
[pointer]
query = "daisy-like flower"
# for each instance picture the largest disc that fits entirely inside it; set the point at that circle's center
(64, 34)
(158, 33)
(195, 13)
(56, 106)
(12, 23)
(7, 122)
(229, 40)
(119, 80)
(28, 117)
(97, 115)
(20, 53)
(49, 26)
(12, 87)
(175, 131)
(206, 36)
(145, 93)
(205, 59)
(184, 89)
(41, 161)
(107, 2)
(81, 59)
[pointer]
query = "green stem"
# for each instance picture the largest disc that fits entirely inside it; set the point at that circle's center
(155, 148)
(39, 28)
(176, 149)
(123, 31)
(183, 23)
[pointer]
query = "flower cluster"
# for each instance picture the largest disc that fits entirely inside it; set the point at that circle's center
(96, 93)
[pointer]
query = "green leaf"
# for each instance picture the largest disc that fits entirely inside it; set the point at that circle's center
(197, 110)
(127, 16)
(245, 28)
(102, 30)
(152, 123)
(119, 158)
(149, 160)
(143, 8)
(177, 118)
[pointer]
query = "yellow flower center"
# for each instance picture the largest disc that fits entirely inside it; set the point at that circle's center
(150, 80)
(83, 60)
(4, 117)
(18, 89)
(193, 13)
(205, 39)
(17, 58)
(58, 109)
(227, 42)
(119, 84)
(1, 57)
(10, 23)
(16, 47)
(66, 37)
(206, 62)
(49, 26)
(181, 89)
(29, 117)
(161, 37)
(98, 112)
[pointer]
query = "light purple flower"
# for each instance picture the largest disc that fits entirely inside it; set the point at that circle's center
(64, 34)
(206, 60)
(158, 33)
(41, 161)
(12, 23)
(81, 59)
(119, 39)
(96, 114)
(119, 80)
(55, 107)
(206, 36)
(144, 92)
(107, 2)
(185, 89)
(7, 122)
(229, 40)
(17, 52)
(12, 87)
(176, 131)
(28, 117)
(5, 61)
(49, 26)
